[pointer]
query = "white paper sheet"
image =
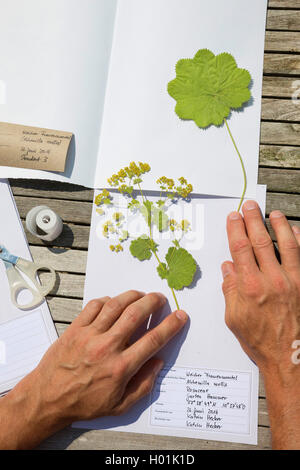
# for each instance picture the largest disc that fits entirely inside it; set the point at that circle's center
(24, 336)
(139, 120)
(206, 342)
(54, 62)
(54, 58)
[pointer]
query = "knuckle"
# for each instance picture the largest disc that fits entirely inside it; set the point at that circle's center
(290, 245)
(95, 304)
(155, 339)
(120, 369)
(281, 285)
(240, 245)
(155, 299)
(252, 287)
(113, 304)
(134, 293)
(132, 313)
(228, 286)
(261, 242)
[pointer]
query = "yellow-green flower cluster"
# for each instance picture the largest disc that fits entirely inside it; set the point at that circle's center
(103, 198)
(185, 189)
(166, 184)
(116, 248)
(134, 170)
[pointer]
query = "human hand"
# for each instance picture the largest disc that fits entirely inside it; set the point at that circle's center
(91, 370)
(263, 295)
(263, 311)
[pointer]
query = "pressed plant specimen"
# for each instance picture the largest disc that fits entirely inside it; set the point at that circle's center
(179, 267)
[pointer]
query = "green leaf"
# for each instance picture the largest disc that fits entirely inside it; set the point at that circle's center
(207, 87)
(180, 269)
(142, 248)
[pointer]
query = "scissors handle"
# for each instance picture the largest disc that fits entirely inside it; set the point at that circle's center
(18, 283)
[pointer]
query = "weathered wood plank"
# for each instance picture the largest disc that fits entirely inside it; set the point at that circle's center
(289, 204)
(281, 64)
(71, 261)
(284, 4)
(51, 189)
(279, 133)
(70, 211)
(287, 181)
(67, 285)
(64, 310)
(281, 87)
(76, 236)
(281, 110)
(76, 439)
(283, 20)
(282, 41)
(278, 156)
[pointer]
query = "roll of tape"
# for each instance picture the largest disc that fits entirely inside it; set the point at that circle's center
(44, 223)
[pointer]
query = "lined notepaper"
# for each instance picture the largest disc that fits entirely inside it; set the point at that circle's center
(23, 343)
(204, 400)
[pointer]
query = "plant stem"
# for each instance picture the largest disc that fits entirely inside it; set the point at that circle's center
(142, 193)
(243, 167)
(155, 254)
(175, 298)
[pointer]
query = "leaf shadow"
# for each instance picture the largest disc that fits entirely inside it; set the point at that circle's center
(197, 277)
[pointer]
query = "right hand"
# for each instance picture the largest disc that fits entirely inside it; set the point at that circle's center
(262, 294)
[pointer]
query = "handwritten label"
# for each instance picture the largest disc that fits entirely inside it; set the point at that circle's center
(201, 399)
(34, 148)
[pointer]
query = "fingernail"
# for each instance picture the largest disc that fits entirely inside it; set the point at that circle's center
(234, 216)
(181, 315)
(226, 270)
(250, 205)
(276, 215)
(296, 229)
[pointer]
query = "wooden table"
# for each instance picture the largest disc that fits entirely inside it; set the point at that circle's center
(279, 169)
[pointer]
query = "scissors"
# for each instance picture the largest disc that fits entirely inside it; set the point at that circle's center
(14, 267)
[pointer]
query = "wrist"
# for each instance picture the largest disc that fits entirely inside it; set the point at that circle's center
(282, 393)
(27, 419)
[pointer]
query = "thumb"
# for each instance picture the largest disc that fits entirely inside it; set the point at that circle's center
(229, 282)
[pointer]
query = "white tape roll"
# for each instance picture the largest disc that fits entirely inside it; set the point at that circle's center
(44, 223)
